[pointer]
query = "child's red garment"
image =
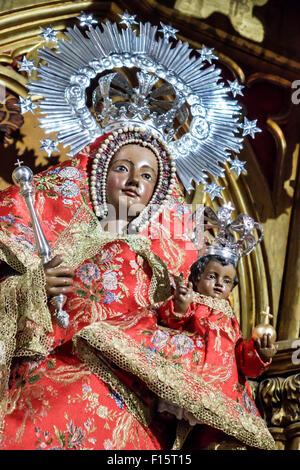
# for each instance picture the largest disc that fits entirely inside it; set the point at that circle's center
(200, 372)
(223, 358)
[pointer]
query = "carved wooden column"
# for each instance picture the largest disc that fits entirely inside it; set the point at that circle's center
(278, 399)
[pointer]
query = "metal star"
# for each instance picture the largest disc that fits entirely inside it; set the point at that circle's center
(206, 54)
(228, 206)
(235, 87)
(238, 166)
(168, 31)
(249, 127)
(26, 65)
(87, 20)
(213, 190)
(49, 34)
(26, 105)
(128, 19)
(49, 146)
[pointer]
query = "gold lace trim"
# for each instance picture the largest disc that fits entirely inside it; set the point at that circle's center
(230, 444)
(182, 432)
(25, 320)
(86, 234)
(178, 386)
(220, 305)
(101, 368)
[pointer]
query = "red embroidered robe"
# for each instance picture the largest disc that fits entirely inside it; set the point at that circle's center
(95, 385)
(55, 399)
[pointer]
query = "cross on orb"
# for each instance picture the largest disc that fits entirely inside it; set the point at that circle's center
(267, 315)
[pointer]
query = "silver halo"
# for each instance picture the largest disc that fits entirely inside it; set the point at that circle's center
(74, 63)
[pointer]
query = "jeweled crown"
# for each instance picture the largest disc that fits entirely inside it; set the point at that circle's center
(225, 237)
(121, 105)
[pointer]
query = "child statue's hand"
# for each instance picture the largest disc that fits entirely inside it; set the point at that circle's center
(183, 295)
(265, 348)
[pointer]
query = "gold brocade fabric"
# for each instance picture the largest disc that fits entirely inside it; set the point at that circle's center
(25, 319)
(24, 302)
(176, 385)
(24, 315)
(86, 233)
(219, 305)
(26, 324)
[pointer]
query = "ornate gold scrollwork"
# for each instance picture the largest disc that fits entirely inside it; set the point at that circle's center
(278, 400)
(240, 13)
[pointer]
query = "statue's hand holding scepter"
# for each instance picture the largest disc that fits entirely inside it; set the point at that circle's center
(58, 279)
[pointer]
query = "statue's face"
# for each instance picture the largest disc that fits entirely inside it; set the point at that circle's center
(216, 280)
(131, 179)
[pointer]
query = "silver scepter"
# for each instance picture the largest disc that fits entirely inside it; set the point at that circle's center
(22, 177)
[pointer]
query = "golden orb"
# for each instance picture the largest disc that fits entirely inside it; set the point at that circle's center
(264, 328)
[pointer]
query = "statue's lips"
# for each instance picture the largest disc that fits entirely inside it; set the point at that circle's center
(130, 193)
(217, 290)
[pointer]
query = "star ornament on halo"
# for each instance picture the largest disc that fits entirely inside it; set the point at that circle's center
(249, 127)
(49, 34)
(49, 146)
(26, 65)
(207, 54)
(168, 31)
(238, 166)
(213, 190)
(235, 87)
(87, 20)
(229, 207)
(26, 105)
(127, 19)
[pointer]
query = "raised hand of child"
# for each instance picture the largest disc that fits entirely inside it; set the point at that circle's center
(183, 295)
(265, 348)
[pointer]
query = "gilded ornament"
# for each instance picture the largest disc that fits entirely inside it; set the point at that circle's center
(264, 328)
(240, 13)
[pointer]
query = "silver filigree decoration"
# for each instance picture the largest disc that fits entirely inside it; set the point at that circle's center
(127, 19)
(235, 87)
(26, 65)
(207, 54)
(168, 31)
(249, 127)
(214, 190)
(232, 238)
(49, 146)
(238, 166)
(26, 104)
(49, 34)
(87, 19)
(173, 89)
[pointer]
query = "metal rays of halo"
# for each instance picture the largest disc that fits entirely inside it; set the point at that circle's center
(76, 61)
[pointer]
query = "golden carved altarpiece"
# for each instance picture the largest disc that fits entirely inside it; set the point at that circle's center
(271, 274)
(240, 13)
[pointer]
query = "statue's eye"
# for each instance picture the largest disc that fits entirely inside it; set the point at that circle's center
(121, 168)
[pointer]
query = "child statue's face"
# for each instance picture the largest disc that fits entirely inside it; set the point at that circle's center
(216, 280)
(131, 178)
